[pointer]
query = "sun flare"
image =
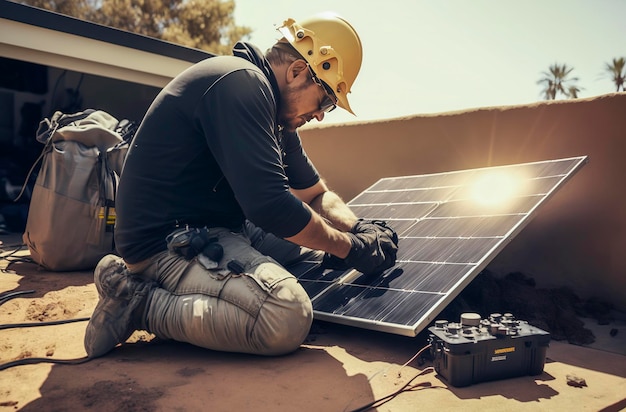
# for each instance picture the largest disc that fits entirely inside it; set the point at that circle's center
(495, 188)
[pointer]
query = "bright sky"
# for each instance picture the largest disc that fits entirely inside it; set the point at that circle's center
(432, 56)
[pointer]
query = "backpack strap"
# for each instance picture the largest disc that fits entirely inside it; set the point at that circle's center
(45, 130)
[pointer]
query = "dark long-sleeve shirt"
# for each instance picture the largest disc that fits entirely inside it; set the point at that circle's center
(210, 152)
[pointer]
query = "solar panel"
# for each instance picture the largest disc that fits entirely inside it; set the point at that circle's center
(450, 225)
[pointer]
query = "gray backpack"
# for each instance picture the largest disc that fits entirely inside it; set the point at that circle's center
(71, 215)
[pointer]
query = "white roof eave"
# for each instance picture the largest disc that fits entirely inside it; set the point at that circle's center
(48, 47)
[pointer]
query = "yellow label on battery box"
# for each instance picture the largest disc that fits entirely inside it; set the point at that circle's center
(504, 350)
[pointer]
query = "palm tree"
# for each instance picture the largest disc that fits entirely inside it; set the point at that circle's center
(556, 81)
(617, 72)
(572, 92)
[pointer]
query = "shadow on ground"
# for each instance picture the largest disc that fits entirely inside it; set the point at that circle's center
(175, 376)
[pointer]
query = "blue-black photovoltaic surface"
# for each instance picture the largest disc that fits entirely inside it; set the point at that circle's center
(450, 225)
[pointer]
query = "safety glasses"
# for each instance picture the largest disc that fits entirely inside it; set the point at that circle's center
(329, 103)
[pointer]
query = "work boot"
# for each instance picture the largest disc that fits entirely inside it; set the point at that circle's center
(120, 310)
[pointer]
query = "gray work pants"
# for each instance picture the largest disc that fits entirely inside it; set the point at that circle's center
(262, 311)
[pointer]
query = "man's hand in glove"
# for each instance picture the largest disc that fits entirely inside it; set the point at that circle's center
(380, 225)
(374, 248)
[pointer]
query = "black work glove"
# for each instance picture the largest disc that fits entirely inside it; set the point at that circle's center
(380, 225)
(374, 248)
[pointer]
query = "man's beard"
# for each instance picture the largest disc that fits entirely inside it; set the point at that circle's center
(288, 116)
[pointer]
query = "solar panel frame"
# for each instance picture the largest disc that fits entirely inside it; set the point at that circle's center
(447, 236)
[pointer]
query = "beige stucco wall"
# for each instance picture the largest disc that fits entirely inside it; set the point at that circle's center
(577, 239)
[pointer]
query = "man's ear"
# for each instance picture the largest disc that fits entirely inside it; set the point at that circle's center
(295, 69)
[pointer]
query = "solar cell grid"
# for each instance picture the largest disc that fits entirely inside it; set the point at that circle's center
(451, 225)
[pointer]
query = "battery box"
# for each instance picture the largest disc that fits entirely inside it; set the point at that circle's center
(478, 350)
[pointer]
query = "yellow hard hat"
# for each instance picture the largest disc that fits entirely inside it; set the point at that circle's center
(332, 48)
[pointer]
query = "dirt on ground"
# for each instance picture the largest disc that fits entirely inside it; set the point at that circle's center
(338, 368)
